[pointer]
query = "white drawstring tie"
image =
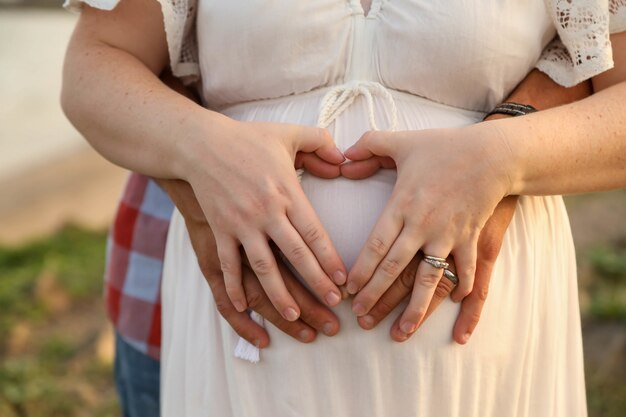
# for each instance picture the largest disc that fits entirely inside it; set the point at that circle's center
(339, 98)
(334, 102)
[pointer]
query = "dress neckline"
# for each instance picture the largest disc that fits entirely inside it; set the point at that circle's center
(372, 10)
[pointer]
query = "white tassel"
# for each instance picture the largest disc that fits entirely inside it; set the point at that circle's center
(246, 350)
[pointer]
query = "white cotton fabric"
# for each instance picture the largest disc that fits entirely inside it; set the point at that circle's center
(292, 62)
(580, 51)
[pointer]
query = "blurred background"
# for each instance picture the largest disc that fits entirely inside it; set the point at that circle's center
(57, 198)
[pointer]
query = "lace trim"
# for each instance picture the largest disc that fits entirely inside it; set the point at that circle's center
(180, 27)
(179, 17)
(583, 48)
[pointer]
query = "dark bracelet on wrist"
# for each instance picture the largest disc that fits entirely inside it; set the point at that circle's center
(512, 109)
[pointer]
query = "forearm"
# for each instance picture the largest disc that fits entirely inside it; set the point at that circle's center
(114, 97)
(539, 91)
(127, 114)
(579, 147)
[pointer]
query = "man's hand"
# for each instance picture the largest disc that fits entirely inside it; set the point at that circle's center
(314, 315)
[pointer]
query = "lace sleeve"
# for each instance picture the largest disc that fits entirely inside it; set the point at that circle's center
(179, 17)
(582, 48)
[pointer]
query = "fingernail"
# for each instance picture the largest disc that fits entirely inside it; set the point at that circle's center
(367, 321)
(332, 298)
(290, 314)
(339, 153)
(359, 309)
(407, 327)
(465, 337)
(239, 306)
(257, 343)
(339, 277)
(352, 287)
(305, 335)
(328, 328)
(401, 335)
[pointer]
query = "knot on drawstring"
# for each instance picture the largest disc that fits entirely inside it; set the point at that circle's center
(339, 98)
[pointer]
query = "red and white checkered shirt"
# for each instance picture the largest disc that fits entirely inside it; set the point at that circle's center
(135, 251)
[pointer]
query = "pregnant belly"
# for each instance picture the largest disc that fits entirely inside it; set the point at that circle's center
(349, 209)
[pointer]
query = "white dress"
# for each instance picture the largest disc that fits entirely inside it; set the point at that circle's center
(424, 64)
(441, 66)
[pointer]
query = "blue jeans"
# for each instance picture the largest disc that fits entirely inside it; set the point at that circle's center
(137, 379)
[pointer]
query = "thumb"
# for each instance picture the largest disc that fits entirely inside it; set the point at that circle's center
(316, 166)
(356, 170)
(318, 141)
(372, 143)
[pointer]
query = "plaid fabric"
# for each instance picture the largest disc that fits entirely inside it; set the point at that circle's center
(135, 251)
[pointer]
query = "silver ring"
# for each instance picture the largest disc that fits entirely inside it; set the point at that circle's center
(437, 262)
(451, 276)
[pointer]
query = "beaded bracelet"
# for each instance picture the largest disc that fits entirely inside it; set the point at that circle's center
(512, 109)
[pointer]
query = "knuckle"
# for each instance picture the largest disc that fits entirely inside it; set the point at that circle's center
(482, 293)
(258, 206)
(223, 307)
(210, 272)
(262, 266)
(377, 246)
(444, 288)
(324, 135)
(297, 252)
(228, 267)
(473, 318)
(429, 279)
(390, 267)
(312, 233)
(255, 299)
(279, 190)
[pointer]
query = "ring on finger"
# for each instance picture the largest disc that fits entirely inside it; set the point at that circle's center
(435, 261)
(451, 276)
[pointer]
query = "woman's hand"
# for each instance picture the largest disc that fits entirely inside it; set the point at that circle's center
(315, 316)
(449, 183)
(242, 173)
(489, 244)
(243, 176)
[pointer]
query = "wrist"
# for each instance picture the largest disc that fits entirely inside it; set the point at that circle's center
(510, 152)
(183, 197)
(201, 143)
(500, 153)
